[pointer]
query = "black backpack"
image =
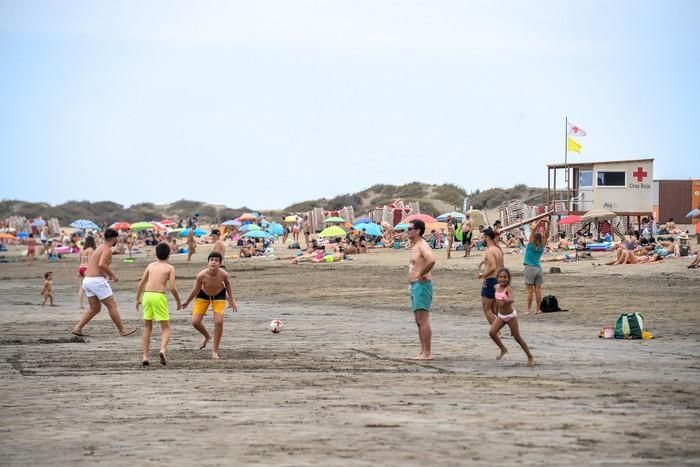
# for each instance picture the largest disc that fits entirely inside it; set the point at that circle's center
(549, 304)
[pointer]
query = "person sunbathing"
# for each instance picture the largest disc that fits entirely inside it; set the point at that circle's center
(696, 262)
(564, 257)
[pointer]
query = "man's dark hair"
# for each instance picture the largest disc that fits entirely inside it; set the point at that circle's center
(47, 274)
(215, 254)
(163, 251)
(216, 232)
(496, 223)
(488, 232)
(419, 225)
(111, 233)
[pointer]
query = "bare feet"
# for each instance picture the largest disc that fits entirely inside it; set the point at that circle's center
(421, 356)
(531, 361)
(528, 312)
(214, 355)
(78, 333)
(537, 312)
(503, 352)
(162, 358)
(126, 332)
(204, 343)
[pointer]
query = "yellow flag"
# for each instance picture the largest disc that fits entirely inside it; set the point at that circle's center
(572, 145)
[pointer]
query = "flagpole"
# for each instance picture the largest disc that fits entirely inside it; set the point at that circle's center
(566, 160)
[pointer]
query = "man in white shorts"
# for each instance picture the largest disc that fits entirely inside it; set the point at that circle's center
(97, 287)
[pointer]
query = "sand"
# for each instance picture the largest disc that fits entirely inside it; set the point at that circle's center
(335, 387)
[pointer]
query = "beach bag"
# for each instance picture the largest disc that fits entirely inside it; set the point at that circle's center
(549, 304)
(629, 326)
(684, 250)
(293, 246)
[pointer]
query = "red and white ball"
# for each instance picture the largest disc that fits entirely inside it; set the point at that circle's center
(276, 326)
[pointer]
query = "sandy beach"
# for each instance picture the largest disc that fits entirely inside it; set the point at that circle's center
(336, 388)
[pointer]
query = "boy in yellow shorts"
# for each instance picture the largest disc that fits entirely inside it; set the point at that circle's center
(212, 287)
(155, 303)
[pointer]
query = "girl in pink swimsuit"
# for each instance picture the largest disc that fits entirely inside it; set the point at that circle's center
(507, 315)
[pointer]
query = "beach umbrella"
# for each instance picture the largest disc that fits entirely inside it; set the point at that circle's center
(420, 217)
(275, 229)
(568, 220)
(248, 217)
(598, 215)
(333, 220)
(362, 220)
(158, 225)
(435, 226)
(401, 226)
(454, 214)
(370, 227)
(168, 222)
(38, 223)
(693, 213)
(257, 234)
(332, 231)
(249, 227)
(197, 232)
(120, 226)
(232, 222)
(291, 219)
(141, 226)
(6, 236)
(84, 224)
(22, 235)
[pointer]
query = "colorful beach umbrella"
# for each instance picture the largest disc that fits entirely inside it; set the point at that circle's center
(332, 231)
(120, 226)
(197, 232)
(370, 227)
(84, 224)
(6, 236)
(250, 227)
(291, 219)
(22, 235)
(422, 217)
(401, 226)
(362, 220)
(248, 217)
(138, 226)
(232, 222)
(568, 220)
(257, 234)
(333, 220)
(453, 214)
(275, 229)
(168, 222)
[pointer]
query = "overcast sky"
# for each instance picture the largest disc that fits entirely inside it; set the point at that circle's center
(264, 104)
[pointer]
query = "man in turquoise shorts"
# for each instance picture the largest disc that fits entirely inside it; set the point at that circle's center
(422, 262)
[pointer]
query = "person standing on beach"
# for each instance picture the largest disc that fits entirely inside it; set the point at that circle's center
(421, 286)
(507, 316)
(450, 235)
(467, 226)
(534, 277)
(212, 287)
(97, 287)
(31, 249)
(155, 304)
(493, 262)
(219, 245)
(191, 243)
(307, 230)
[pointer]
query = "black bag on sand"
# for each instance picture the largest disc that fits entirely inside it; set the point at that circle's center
(550, 304)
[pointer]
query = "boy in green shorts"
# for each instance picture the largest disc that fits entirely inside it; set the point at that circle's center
(155, 303)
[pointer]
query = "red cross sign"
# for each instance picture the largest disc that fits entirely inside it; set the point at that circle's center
(639, 174)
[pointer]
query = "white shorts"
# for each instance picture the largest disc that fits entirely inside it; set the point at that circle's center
(97, 287)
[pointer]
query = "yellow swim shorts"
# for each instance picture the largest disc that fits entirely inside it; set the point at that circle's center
(155, 305)
(201, 306)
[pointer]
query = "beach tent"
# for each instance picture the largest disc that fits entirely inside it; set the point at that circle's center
(332, 231)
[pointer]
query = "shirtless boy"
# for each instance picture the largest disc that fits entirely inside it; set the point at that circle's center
(219, 245)
(212, 287)
(155, 304)
(97, 288)
(493, 262)
(421, 285)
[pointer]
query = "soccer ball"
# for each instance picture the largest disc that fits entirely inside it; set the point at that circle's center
(276, 326)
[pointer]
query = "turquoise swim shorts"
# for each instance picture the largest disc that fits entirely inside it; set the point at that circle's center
(421, 295)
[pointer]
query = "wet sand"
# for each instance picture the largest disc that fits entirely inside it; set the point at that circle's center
(335, 387)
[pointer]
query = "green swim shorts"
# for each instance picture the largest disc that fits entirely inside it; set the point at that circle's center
(155, 305)
(421, 295)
